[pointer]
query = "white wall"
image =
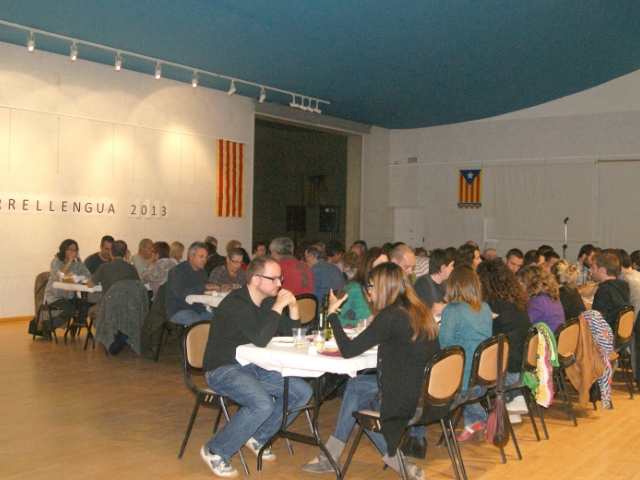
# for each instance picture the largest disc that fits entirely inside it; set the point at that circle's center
(575, 134)
(82, 129)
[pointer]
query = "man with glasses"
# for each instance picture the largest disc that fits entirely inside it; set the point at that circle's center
(229, 276)
(251, 314)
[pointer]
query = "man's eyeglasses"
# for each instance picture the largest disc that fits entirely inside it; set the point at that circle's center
(368, 286)
(274, 279)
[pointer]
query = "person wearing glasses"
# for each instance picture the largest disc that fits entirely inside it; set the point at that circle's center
(188, 278)
(229, 276)
(251, 314)
(65, 264)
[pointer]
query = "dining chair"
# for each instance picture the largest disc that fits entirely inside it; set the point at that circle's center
(484, 374)
(567, 336)
(622, 344)
(529, 362)
(442, 382)
(308, 308)
(194, 345)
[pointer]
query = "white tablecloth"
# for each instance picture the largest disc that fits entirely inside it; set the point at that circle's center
(208, 300)
(297, 362)
(76, 287)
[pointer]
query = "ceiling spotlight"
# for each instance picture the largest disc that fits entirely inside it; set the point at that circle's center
(31, 42)
(194, 80)
(263, 95)
(232, 90)
(293, 103)
(74, 52)
(158, 71)
(118, 64)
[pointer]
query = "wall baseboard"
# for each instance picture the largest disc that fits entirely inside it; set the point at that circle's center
(12, 320)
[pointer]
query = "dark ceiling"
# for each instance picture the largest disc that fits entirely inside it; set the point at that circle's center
(394, 64)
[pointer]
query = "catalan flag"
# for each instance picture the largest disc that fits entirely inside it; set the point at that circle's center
(230, 200)
(470, 189)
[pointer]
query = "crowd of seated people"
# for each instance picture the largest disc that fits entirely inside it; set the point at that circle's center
(457, 297)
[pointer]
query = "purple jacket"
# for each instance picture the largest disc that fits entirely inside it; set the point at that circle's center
(543, 309)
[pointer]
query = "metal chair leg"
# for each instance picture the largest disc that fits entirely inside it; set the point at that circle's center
(457, 449)
(528, 400)
(194, 412)
(352, 451)
(449, 450)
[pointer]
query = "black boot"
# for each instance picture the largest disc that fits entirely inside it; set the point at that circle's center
(416, 447)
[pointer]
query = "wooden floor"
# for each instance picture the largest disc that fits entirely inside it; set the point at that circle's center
(70, 414)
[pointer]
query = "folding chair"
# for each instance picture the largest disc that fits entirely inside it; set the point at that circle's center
(194, 345)
(442, 382)
(567, 335)
(622, 345)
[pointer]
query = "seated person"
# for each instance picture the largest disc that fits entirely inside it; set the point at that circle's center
(432, 288)
(158, 267)
(544, 296)
(251, 314)
(214, 259)
(504, 293)
(92, 262)
(567, 275)
(141, 259)
(177, 249)
(188, 278)
(350, 265)
(357, 306)
(229, 276)
(259, 249)
(613, 294)
(550, 259)
(117, 269)
(468, 255)
(514, 259)
(466, 321)
(325, 276)
(407, 336)
(66, 262)
(298, 278)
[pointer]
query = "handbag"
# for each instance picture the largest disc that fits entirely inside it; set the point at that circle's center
(498, 425)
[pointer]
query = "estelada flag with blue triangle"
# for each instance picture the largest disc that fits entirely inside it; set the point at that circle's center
(470, 189)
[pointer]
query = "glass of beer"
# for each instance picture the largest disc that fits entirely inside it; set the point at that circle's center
(319, 339)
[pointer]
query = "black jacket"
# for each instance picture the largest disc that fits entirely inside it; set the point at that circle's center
(611, 297)
(401, 363)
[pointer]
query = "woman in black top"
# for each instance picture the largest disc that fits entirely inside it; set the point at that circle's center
(567, 274)
(504, 293)
(406, 333)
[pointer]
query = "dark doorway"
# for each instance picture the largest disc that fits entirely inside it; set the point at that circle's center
(299, 173)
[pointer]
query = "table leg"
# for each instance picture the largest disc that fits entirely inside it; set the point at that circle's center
(315, 440)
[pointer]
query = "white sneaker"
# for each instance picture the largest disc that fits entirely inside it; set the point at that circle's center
(515, 419)
(218, 465)
(255, 446)
(517, 406)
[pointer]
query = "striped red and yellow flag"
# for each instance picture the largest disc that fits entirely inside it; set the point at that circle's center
(230, 200)
(470, 189)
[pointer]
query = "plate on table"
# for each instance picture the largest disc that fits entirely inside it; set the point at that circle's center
(282, 340)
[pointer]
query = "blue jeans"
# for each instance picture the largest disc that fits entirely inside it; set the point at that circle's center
(187, 317)
(260, 416)
(360, 394)
(474, 412)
